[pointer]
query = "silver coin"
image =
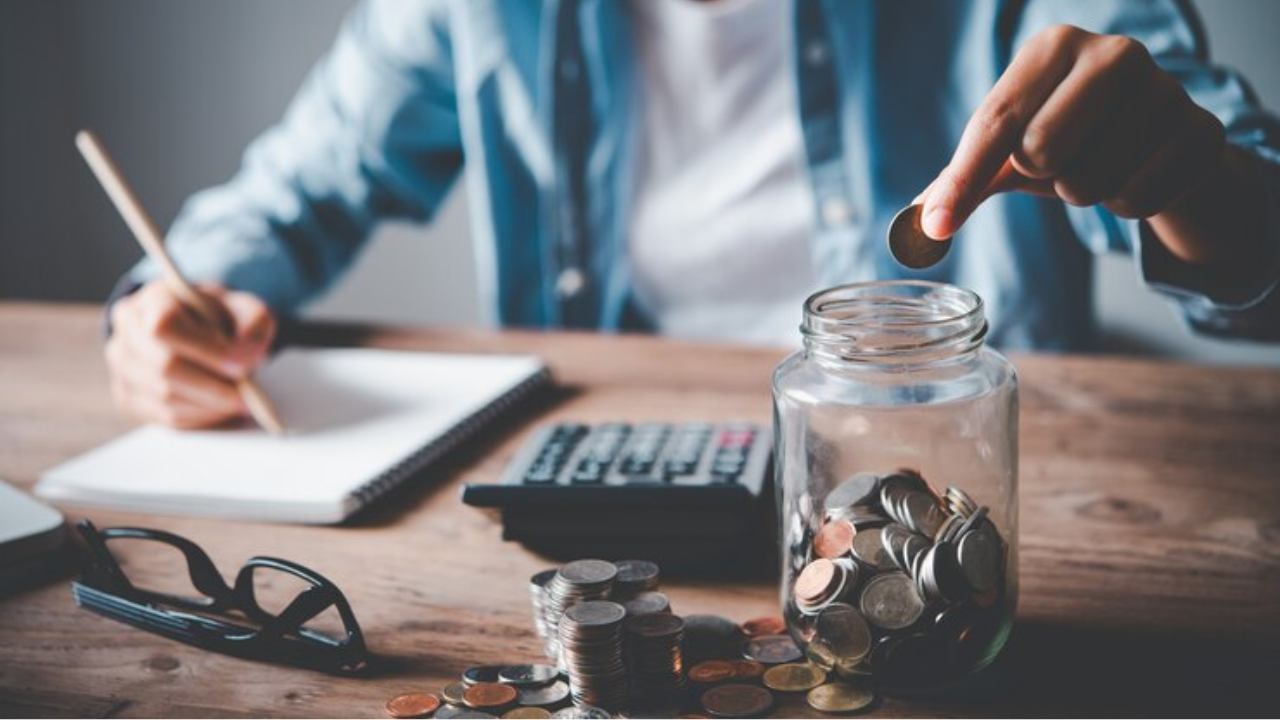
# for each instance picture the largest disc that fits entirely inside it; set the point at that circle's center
(944, 579)
(910, 245)
(923, 513)
(453, 711)
(979, 554)
(547, 696)
(585, 712)
(891, 601)
(869, 548)
(636, 576)
(481, 674)
(589, 572)
(844, 632)
(532, 675)
(647, 602)
(859, 489)
(596, 613)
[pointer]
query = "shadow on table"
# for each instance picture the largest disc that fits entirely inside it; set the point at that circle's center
(1064, 670)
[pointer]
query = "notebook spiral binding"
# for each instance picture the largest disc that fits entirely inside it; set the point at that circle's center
(455, 436)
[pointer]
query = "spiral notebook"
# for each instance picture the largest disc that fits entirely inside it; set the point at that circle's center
(360, 423)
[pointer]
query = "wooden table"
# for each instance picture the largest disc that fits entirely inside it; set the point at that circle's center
(1150, 538)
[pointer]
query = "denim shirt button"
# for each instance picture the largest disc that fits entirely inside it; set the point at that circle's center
(836, 212)
(570, 282)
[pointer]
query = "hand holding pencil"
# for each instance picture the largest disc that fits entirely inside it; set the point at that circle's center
(181, 355)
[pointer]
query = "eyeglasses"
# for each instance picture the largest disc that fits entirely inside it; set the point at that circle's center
(211, 621)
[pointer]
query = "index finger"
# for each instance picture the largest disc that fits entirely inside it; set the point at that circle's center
(995, 130)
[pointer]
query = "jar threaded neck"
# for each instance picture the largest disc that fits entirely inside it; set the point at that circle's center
(901, 321)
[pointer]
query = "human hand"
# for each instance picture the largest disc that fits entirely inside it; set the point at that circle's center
(1084, 117)
(168, 366)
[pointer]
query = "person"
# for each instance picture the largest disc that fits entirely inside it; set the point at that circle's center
(697, 168)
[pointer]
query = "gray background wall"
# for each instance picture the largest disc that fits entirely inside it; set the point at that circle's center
(178, 87)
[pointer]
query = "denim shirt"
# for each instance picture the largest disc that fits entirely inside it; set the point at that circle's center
(539, 100)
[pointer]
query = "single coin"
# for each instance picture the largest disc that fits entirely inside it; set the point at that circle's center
(589, 572)
(449, 712)
(548, 696)
(481, 674)
(844, 632)
(818, 577)
(834, 540)
(452, 693)
(709, 672)
(490, 696)
(859, 489)
(891, 601)
(924, 512)
(747, 670)
(529, 713)
(909, 244)
(765, 625)
(869, 548)
(650, 601)
(773, 649)
(655, 625)
(532, 675)
(840, 697)
(979, 553)
(412, 705)
(944, 569)
(584, 712)
(794, 677)
(737, 701)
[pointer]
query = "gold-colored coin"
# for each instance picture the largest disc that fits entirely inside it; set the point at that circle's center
(909, 244)
(840, 697)
(794, 677)
(533, 713)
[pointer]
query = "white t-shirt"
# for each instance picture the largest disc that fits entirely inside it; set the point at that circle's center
(722, 212)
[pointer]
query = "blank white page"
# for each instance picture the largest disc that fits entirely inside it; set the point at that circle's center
(352, 415)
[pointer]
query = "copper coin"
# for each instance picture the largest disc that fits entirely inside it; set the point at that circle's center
(909, 244)
(412, 705)
(766, 625)
(711, 671)
(747, 670)
(773, 650)
(834, 540)
(737, 701)
(489, 696)
(815, 580)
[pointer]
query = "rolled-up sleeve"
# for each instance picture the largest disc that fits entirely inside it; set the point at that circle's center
(372, 134)
(1171, 31)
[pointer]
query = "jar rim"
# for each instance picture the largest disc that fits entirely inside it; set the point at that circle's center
(893, 321)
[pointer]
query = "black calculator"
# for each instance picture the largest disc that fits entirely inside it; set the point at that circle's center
(693, 495)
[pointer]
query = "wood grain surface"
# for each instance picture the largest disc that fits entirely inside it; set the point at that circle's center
(1150, 537)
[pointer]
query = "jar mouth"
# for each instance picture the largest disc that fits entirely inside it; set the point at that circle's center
(893, 321)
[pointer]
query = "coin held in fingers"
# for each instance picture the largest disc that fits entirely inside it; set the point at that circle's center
(910, 245)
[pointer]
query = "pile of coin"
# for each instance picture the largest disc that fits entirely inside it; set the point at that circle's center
(655, 662)
(899, 581)
(577, 582)
(591, 647)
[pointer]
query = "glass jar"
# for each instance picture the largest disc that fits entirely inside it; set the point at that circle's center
(896, 451)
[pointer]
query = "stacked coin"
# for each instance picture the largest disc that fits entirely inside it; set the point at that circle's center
(591, 646)
(578, 581)
(538, 602)
(635, 577)
(655, 664)
(899, 580)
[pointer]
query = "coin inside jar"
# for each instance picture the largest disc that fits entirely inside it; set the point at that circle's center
(869, 548)
(844, 632)
(834, 540)
(412, 705)
(891, 601)
(839, 697)
(817, 580)
(909, 244)
(794, 677)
